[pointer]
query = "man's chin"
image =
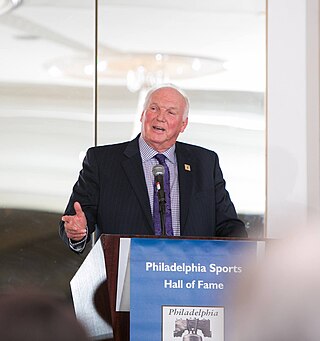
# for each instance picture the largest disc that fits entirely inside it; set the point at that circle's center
(158, 144)
(158, 138)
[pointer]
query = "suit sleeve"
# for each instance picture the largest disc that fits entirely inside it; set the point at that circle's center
(86, 192)
(227, 222)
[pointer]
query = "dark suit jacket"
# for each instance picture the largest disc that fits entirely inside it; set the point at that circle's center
(113, 194)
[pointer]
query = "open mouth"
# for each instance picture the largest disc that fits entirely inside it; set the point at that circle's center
(158, 128)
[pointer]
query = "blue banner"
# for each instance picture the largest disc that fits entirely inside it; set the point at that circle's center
(180, 287)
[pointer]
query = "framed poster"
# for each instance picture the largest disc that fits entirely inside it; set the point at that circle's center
(181, 287)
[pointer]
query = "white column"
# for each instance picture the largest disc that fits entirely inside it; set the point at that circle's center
(313, 103)
(287, 119)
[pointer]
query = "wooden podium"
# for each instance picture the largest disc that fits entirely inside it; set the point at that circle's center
(94, 288)
(94, 291)
(119, 319)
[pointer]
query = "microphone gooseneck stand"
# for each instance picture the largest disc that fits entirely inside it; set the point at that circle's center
(162, 211)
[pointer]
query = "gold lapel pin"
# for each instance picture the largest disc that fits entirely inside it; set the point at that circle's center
(187, 167)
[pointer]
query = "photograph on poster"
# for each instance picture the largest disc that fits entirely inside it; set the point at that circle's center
(192, 323)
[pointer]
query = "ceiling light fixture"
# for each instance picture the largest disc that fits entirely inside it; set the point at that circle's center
(139, 70)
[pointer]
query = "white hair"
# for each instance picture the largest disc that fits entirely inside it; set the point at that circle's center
(169, 86)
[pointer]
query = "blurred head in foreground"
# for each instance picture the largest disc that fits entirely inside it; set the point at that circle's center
(280, 298)
(31, 316)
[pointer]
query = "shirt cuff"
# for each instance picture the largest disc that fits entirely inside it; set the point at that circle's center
(80, 245)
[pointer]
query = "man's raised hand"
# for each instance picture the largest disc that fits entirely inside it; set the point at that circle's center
(75, 225)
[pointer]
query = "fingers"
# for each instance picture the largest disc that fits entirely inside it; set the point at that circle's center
(74, 229)
(76, 235)
(77, 208)
(75, 225)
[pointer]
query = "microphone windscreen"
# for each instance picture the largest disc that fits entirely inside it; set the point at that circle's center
(158, 170)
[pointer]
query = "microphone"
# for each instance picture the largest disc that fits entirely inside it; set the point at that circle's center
(158, 172)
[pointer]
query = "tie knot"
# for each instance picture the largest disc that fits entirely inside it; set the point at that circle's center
(160, 158)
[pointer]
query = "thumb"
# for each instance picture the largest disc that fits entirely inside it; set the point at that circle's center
(77, 208)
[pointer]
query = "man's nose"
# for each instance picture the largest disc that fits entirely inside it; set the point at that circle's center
(161, 116)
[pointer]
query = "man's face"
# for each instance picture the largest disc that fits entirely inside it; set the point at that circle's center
(162, 120)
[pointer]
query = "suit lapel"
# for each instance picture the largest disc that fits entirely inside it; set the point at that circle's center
(186, 178)
(132, 166)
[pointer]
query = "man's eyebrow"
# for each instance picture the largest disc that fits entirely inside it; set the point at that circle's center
(169, 108)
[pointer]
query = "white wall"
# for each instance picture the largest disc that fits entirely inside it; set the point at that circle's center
(293, 126)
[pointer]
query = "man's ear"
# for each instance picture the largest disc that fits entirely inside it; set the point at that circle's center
(142, 116)
(184, 125)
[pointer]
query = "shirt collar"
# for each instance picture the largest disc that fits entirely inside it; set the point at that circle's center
(148, 152)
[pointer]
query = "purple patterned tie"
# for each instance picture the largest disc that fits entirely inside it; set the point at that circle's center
(156, 214)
